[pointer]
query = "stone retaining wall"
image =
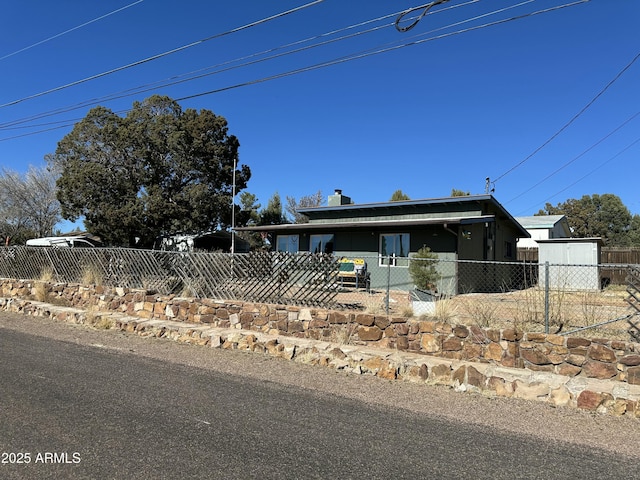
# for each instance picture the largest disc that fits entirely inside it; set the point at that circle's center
(594, 374)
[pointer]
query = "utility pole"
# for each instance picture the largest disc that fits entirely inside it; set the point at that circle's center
(233, 209)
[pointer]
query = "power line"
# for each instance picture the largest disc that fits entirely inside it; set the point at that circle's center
(573, 119)
(379, 50)
(370, 52)
(22, 135)
(588, 174)
(24, 127)
(190, 76)
(425, 9)
(565, 165)
(161, 55)
(177, 79)
(70, 30)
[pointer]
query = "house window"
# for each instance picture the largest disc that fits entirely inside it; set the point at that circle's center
(394, 249)
(287, 243)
(508, 249)
(321, 243)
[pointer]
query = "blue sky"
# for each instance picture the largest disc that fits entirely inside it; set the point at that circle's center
(424, 118)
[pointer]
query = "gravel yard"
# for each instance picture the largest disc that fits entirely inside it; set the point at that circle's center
(523, 309)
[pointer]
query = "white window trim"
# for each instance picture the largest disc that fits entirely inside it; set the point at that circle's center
(393, 258)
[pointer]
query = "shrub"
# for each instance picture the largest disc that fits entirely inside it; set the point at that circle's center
(40, 292)
(422, 269)
(92, 275)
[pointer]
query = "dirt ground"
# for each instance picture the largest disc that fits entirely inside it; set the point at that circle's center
(587, 313)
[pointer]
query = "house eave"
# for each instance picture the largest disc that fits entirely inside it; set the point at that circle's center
(370, 224)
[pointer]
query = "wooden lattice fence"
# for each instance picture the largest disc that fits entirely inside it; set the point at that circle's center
(269, 277)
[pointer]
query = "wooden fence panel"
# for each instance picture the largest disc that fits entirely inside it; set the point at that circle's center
(617, 257)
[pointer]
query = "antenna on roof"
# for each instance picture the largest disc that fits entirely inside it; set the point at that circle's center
(489, 186)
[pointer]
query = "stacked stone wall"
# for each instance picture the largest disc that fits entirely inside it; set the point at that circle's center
(579, 359)
(598, 358)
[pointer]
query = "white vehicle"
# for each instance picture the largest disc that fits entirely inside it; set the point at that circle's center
(79, 241)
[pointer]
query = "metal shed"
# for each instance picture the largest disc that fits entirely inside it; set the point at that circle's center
(573, 262)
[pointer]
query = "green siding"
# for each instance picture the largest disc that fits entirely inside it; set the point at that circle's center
(365, 245)
(421, 212)
(488, 239)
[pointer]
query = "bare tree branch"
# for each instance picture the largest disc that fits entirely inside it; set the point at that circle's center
(28, 204)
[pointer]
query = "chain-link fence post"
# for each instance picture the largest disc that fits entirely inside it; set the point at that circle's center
(546, 297)
(388, 297)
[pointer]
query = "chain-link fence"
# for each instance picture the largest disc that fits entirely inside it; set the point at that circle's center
(550, 298)
(523, 295)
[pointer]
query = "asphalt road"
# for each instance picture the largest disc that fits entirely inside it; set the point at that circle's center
(86, 409)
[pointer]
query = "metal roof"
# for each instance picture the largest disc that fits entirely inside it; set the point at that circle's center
(403, 203)
(573, 240)
(540, 221)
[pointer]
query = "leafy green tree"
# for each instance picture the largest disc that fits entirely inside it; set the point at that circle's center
(596, 215)
(249, 209)
(459, 193)
(399, 195)
(272, 214)
(308, 201)
(28, 204)
(249, 215)
(159, 170)
(633, 236)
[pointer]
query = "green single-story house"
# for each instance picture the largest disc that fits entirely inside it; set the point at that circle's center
(386, 235)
